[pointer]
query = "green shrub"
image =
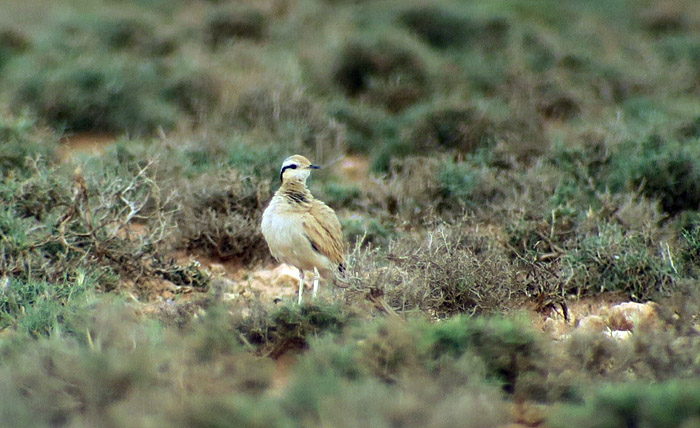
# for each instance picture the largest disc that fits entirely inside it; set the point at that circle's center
(382, 360)
(12, 43)
(679, 48)
(690, 243)
(124, 33)
(38, 308)
(443, 271)
(665, 170)
(612, 259)
(264, 162)
(438, 27)
(291, 327)
(220, 216)
(457, 182)
(20, 140)
(109, 74)
(539, 54)
(107, 222)
(340, 195)
(671, 404)
(193, 91)
(445, 28)
(690, 130)
(244, 412)
(366, 129)
(98, 32)
(428, 128)
(369, 230)
(486, 73)
(383, 73)
(461, 129)
(29, 221)
(225, 25)
(555, 103)
(661, 22)
(584, 164)
(510, 350)
(104, 93)
(292, 120)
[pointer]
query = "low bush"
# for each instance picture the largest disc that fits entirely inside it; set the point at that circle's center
(690, 243)
(510, 351)
(439, 27)
(102, 94)
(110, 224)
(660, 169)
(557, 104)
(263, 162)
(367, 129)
(220, 216)
(118, 33)
(338, 195)
(460, 129)
(382, 73)
(121, 33)
(38, 308)
(445, 28)
(227, 25)
(366, 230)
(413, 402)
(458, 183)
(109, 74)
(276, 330)
(502, 351)
(193, 91)
(539, 54)
(443, 272)
(659, 22)
(670, 404)
(115, 363)
(21, 142)
(690, 130)
(292, 119)
(612, 259)
(12, 43)
(409, 190)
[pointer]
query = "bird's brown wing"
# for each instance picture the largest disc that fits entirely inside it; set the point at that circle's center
(323, 230)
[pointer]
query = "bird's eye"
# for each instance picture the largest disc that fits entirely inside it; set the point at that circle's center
(286, 167)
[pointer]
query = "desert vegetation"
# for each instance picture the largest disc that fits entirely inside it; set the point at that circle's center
(500, 169)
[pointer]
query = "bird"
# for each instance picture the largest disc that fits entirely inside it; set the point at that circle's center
(300, 230)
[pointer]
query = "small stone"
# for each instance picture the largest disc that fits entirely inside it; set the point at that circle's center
(217, 269)
(593, 324)
(631, 316)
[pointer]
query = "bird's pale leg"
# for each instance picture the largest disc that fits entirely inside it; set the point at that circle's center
(301, 284)
(315, 283)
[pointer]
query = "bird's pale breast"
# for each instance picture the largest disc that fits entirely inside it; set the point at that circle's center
(284, 232)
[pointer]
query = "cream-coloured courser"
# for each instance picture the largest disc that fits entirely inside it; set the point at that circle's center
(300, 230)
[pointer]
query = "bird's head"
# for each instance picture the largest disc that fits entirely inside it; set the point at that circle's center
(296, 168)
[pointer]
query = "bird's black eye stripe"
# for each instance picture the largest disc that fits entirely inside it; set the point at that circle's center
(284, 168)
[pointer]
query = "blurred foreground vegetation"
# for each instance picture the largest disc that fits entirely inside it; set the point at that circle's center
(521, 155)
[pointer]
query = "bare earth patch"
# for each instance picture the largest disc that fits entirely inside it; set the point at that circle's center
(84, 143)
